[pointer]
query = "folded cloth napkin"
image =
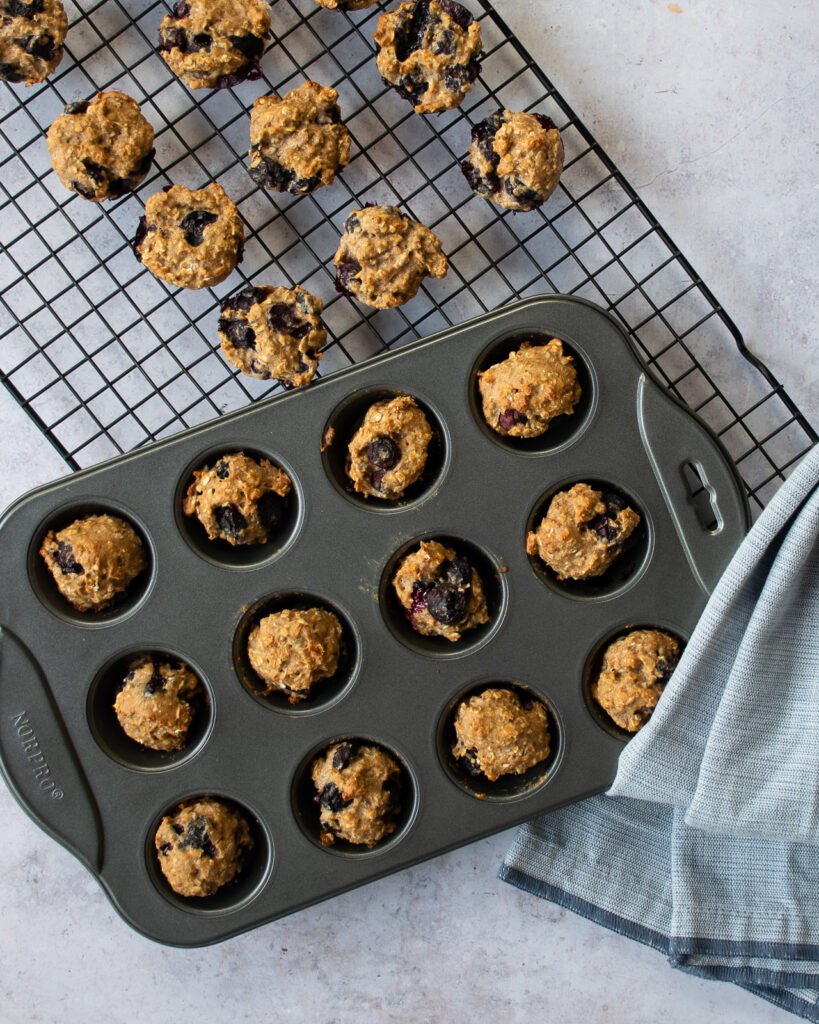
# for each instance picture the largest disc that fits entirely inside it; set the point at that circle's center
(707, 844)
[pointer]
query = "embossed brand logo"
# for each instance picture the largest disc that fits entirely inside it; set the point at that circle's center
(34, 755)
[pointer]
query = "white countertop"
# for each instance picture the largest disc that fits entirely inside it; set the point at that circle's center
(709, 113)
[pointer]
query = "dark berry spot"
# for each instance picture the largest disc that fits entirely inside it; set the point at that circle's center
(665, 666)
(139, 238)
(545, 122)
(177, 828)
(83, 190)
(96, 172)
(383, 452)
(446, 604)
(251, 72)
(527, 198)
(604, 528)
(345, 273)
(222, 469)
(331, 798)
(482, 184)
(270, 174)
(66, 560)
(200, 41)
(281, 317)
(483, 136)
(458, 572)
(194, 224)
(261, 371)
(155, 683)
(460, 15)
(377, 478)
(411, 86)
(330, 115)
(244, 300)
(352, 223)
(42, 46)
(238, 332)
(171, 38)
(181, 9)
(197, 838)
(418, 603)
(469, 762)
(249, 46)
(230, 520)
(445, 44)
(614, 504)
(79, 107)
(10, 73)
(342, 755)
(510, 418)
(526, 702)
(271, 509)
(456, 79)
(165, 849)
(23, 9)
(392, 788)
(410, 35)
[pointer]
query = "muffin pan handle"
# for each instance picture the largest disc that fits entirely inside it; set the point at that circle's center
(37, 758)
(702, 490)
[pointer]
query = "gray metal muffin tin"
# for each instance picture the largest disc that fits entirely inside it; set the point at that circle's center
(102, 796)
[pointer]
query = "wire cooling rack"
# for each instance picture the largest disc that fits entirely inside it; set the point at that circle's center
(104, 357)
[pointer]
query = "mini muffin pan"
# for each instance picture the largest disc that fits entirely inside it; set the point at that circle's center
(102, 796)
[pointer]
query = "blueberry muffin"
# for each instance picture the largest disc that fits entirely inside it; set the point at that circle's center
(298, 143)
(384, 255)
(157, 702)
(521, 395)
(358, 790)
(292, 650)
(499, 732)
(583, 532)
(515, 159)
(239, 499)
(388, 452)
(202, 847)
(213, 44)
(633, 675)
(93, 560)
(430, 52)
(101, 148)
(273, 333)
(192, 239)
(32, 33)
(440, 592)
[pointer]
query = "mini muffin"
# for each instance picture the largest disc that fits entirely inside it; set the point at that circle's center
(633, 675)
(583, 532)
(240, 500)
(298, 143)
(32, 33)
(358, 790)
(430, 52)
(101, 148)
(93, 560)
(498, 732)
(213, 44)
(440, 592)
(192, 239)
(384, 255)
(523, 394)
(294, 649)
(202, 847)
(157, 703)
(273, 333)
(388, 452)
(515, 159)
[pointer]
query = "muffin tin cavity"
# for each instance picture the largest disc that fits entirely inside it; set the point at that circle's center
(562, 430)
(44, 586)
(592, 666)
(110, 735)
(306, 808)
(495, 590)
(245, 886)
(240, 556)
(325, 692)
(345, 421)
(507, 787)
(626, 569)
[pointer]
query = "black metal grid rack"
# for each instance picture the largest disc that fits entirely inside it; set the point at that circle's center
(104, 357)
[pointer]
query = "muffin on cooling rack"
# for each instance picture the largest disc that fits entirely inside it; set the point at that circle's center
(273, 333)
(101, 148)
(192, 239)
(384, 255)
(32, 33)
(213, 44)
(515, 159)
(430, 52)
(297, 142)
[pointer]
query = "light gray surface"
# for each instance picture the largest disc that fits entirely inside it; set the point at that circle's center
(709, 113)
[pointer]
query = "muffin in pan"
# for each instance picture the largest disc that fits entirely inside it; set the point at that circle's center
(633, 675)
(500, 732)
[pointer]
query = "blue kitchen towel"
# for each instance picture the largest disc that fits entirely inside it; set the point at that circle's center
(707, 844)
